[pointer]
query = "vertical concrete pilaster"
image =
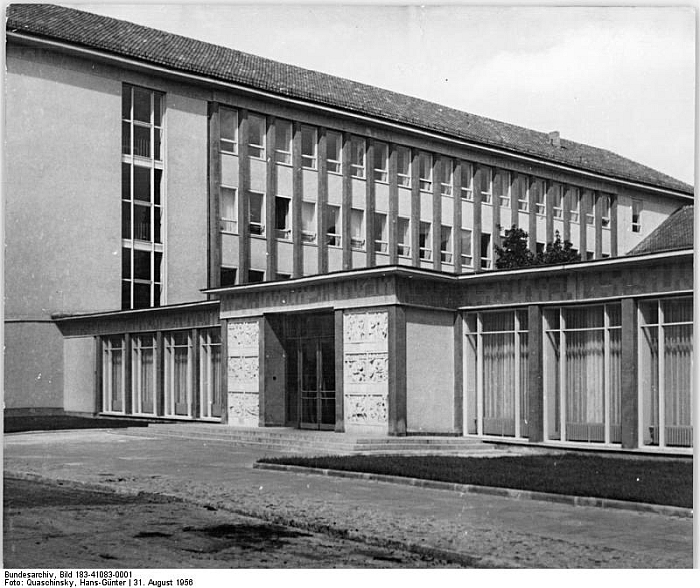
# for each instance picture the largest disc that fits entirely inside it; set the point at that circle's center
(415, 208)
(629, 401)
(393, 205)
(369, 207)
(397, 371)
(297, 196)
(270, 209)
(566, 213)
(613, 226)
(339, 374)
(459, 374)
(214, 234)
(598, 224)
(243, 188)
(322, 201)
(535, 390)
(347, 202)
(457, 216)
(438, 164)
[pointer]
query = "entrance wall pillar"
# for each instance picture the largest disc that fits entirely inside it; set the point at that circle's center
(243, 342)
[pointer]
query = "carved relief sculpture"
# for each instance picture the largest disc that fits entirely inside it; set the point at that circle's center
(366, 327)
(366, 368)
(242, 335)
(366, 409)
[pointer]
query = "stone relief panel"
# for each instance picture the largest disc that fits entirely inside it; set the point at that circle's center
(242, 336)
(367, 327)
(366, 368)
(243, 409)
(366, 409)
(243, 373)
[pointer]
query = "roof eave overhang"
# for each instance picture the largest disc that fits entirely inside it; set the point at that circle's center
(143, 65)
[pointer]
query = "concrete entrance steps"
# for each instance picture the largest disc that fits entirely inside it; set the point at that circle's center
(319, 442)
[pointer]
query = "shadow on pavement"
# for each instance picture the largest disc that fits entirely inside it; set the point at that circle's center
(59, 422)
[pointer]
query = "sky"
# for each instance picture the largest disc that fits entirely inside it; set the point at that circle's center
(619, 78)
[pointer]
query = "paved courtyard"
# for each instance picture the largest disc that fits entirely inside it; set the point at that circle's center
(472, 530)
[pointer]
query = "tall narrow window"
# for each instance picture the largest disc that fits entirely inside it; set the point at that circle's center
(228, 130)
(538, 188)
(256, 213)
(309, 144)
(333, 230)
(228, 210)
(210, 399)
(143, 374)
(466, 253)
(334, 143)
(446, 244)
(403, 166)
(283, 225)
(256, 136)
(637, 216)
(557, 208)
(605, 210)
(403, 236)
(587, 202)
(446, 177)
(142, 173)
(501, 187)
(227, 276)
(283, 141)
(467, 181)
(308, 222)
(485, 251)
(381, 235)
(425, 240)
(482, 181)
(574, 198)
(357, 228)
(178, 374)
(357, 157)
(381, 162)
(113, 375)
(519, 192)
(425, 168)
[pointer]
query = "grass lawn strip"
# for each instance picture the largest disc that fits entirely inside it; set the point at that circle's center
(654, 481)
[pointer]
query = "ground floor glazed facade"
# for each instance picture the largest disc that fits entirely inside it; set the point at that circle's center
(590, 355)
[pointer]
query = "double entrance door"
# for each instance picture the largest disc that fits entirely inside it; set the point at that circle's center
(310, 348)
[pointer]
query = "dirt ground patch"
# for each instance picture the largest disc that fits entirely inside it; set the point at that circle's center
(50, 526)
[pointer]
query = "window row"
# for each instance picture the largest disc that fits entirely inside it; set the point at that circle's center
(189, 385)
(503, 187)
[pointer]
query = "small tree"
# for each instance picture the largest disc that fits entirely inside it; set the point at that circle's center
(514, 252)
(557, 253)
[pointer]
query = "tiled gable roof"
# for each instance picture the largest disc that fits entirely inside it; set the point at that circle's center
(189, 55)
(675, 233)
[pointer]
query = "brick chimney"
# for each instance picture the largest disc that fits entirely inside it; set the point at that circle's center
(554, 139)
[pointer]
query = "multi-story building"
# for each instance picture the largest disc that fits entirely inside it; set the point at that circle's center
(177, 210)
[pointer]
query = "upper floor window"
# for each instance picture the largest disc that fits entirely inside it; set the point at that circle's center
(501, 187)
(403, 166)
(587, 201)
(228, 130)
(283, 141)
(519, 192)
(381, 162)
(574, 198)
(142, 131)
(467, 181)
(357, 157)
(425, 167)
(557, 208)
(485, 251)
(333, 226)
(636, 216)
(283, 225)
(256, 136)
(605, 209)
(357, 228)
(446, 244)
(228, 210)
(425, 239)
(403, 236)
(334, 142)
(540, 194)
(256, 213)
(308, 222)
(308, 147)
(381, 235)
(482, 183)
(446, 177)
(466, 252)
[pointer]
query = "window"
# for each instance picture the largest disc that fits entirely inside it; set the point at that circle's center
(256, 213)
(141, 197)
(283, 141)
(446, 244)
(210, 398)
(557, 204)
(446, 177)
(308, 147)
(574, 199)
(636, 216)
(425, 169)
(425, 239)
(228, 131)
(583, 350)
(381, 162)
(467, 181)
(403, 236)
(357, 228)
(381, 236)
(538, 187)
(227, 276)
(357, 157)
(283, 276)
(466, 253)
(308, 222)
(482, 184)
(113, 374)
(605, 210)
(485, 251)
(178, 374)
(255, 276)
(403, 166)
(283, 225)
(228, 210)
(143, 374)
(539, 247)
(333, 227)
(587, 201)
(665, 372)
(256, 136)
(501, 187)
(334, 142)
(519, 192)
